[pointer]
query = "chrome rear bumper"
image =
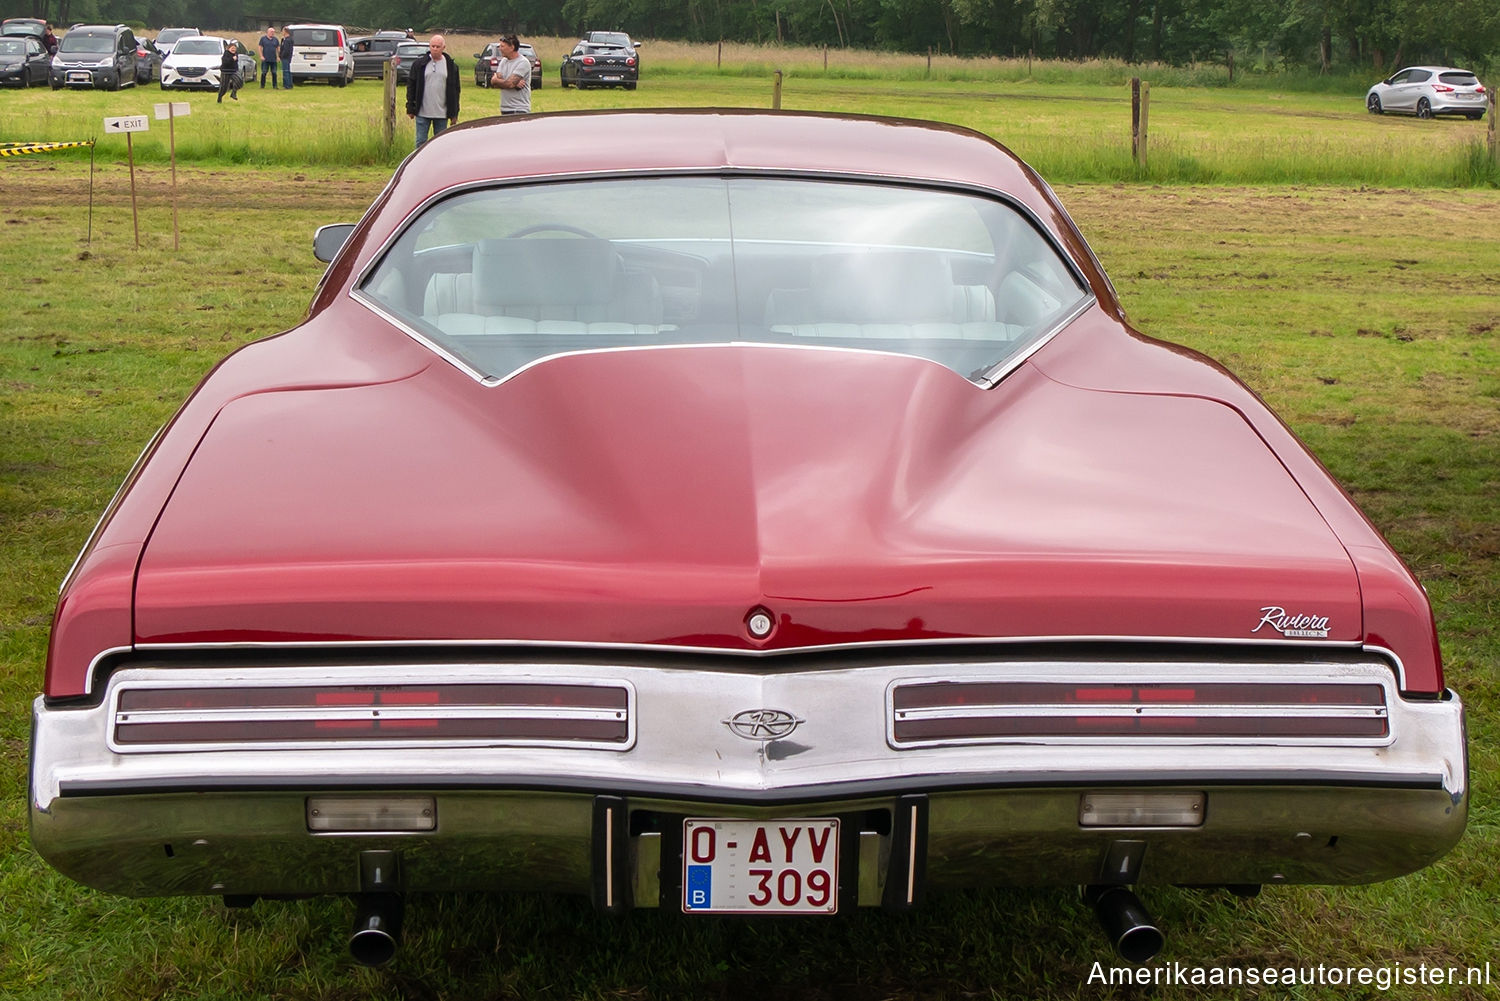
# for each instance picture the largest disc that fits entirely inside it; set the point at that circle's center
(607, 820)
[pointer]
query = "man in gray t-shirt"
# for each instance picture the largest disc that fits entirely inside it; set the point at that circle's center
(432, 90)
(513, 77)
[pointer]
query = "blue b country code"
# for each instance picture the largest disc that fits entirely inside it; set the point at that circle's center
(699, 891)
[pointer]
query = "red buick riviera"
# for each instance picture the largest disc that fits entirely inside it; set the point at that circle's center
(735, 513)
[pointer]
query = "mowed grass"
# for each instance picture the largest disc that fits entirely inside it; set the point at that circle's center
(1367, 317)
(1070, 121)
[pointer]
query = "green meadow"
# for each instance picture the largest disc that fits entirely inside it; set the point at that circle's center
(1346, 266)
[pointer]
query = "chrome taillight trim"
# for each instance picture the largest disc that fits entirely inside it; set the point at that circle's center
(954, 722)
(406, 720)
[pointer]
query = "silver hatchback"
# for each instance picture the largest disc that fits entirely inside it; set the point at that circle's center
(1428, 91)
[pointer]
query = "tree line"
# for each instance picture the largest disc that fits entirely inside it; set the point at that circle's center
(1324, 35)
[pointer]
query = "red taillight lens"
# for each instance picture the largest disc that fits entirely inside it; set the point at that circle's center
(959, 711)
(588, 60)
(522, 712)
(1479, 89)
(630, 61)
(1442, 88)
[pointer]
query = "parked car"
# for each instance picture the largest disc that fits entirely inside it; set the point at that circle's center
(815, 534)
(19, 26)
(196, 60)
(487, 62)
(168, 37)
(95, 55)
(23, 61)
(147, 61)
(370, 52)
(407, 53)
(1428, 91)
(593, 64)
(321, 52)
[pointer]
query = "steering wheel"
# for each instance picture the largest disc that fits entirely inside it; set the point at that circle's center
(552, 227)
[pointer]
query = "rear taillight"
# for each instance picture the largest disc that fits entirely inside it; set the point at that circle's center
(1479, 88)
(630, 61)
(498, 712)
(1442, 88)
(588, 60)
(939, 712)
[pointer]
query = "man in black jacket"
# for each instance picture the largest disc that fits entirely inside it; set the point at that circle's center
(229, 73)
(432, 90)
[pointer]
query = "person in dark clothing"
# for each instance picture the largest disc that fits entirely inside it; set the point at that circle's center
(268, 50)
(432, 90)
(49, 40)
(285, 55)
(229, 73)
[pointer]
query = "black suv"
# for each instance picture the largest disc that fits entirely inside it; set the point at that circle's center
(95, 55)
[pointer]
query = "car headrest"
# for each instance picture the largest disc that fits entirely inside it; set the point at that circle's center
(887, 286)
(543, 271)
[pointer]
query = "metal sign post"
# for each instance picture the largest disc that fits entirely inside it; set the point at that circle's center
(170, 113)
(130, 124)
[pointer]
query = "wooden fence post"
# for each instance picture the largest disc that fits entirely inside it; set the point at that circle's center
(388, 106)
(1494, 150)
(719, 60)
(1135, 119)
(825, 57)
(776, 93)
(1145, 118)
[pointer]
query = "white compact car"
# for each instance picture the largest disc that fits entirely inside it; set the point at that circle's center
(1428, 91)
(193, 64)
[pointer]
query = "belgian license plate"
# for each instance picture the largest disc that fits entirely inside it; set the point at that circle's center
(760, 867)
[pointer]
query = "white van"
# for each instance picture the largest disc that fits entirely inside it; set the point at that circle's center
(321, 52)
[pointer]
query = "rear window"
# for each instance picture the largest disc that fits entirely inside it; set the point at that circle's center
(1459, 79)
(314, 36)
(499, 279)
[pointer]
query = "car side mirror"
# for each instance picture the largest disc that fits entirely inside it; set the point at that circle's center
(479, 55)
(330, 239)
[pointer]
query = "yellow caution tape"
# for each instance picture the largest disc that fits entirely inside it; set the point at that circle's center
(23, 149)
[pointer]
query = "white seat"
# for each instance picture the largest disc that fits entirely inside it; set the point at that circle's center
(544, 286)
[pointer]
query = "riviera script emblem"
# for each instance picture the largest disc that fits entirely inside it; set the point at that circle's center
(1298, 626)
(763, 724)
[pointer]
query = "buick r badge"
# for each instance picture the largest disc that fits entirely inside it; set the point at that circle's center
(763, 724)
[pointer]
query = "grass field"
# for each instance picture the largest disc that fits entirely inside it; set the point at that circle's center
(1071, 121)
(1367, 316)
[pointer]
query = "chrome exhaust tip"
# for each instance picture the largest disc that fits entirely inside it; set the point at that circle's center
(377, 928)
(1131, 929)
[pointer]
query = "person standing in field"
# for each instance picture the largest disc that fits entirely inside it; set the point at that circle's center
(432, 90)
(269, 49)
(284, 53)
(229, 73)
(513, 77)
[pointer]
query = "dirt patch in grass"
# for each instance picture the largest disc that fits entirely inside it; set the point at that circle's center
(225, 191)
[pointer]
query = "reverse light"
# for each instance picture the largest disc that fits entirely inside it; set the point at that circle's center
(359, 814)
(1141, 809)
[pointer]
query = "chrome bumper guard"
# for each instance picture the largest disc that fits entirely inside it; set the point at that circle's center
(522, 809)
